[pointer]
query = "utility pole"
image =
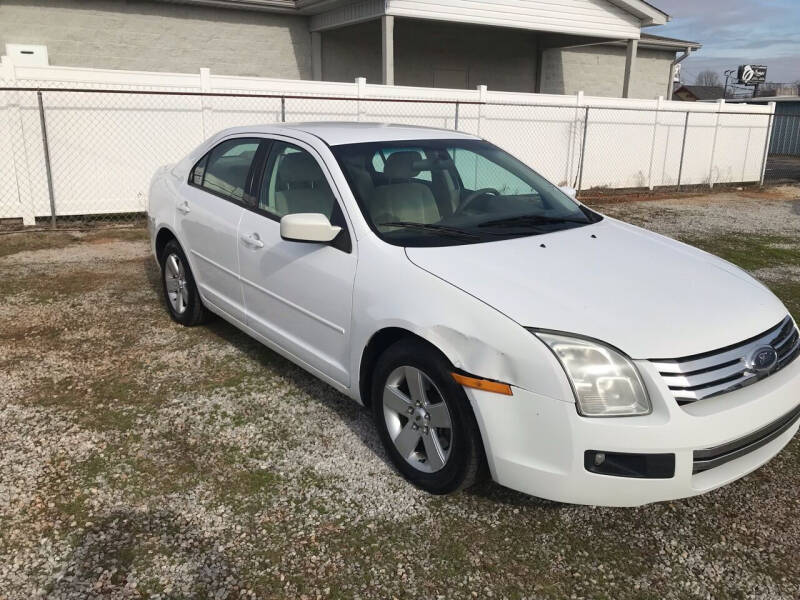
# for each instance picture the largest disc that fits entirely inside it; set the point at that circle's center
(728, 75)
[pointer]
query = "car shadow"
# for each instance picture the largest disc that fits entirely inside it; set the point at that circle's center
(357, 418)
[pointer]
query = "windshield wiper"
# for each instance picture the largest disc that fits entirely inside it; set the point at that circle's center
(433, 228)
(530, 220)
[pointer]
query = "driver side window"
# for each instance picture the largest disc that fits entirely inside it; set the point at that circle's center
(478, 172)
(294, 183)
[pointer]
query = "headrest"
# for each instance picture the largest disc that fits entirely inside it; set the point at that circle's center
(400, 165)
(299, 166)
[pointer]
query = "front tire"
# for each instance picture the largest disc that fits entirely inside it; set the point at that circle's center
(425, 420)
(180, 291)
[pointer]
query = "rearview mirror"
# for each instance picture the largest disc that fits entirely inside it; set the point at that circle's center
(308, 227)
(569, 191)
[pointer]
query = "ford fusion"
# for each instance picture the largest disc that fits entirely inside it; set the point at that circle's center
(493, 325)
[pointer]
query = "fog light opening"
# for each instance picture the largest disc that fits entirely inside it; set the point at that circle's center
(621, 464)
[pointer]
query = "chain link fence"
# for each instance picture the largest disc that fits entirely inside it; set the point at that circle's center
(87, 155)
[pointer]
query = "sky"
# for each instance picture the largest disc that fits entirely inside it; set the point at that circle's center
(736, 32)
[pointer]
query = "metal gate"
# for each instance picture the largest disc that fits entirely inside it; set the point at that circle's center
(783, 162)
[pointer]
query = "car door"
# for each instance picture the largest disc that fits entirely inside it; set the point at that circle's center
(208, 220)
(298, 295)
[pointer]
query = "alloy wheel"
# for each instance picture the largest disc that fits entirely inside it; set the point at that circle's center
(176, 284)
(417, 419)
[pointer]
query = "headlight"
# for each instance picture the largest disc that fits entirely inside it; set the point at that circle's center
(606, 383)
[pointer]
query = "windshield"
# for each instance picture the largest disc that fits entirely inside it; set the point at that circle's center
(447, 192)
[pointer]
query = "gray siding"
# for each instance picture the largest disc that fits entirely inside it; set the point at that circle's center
(150, 36)
(434, 54)
(599, 71)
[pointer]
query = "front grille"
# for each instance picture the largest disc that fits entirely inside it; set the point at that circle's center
(719, 455)
(694, 378)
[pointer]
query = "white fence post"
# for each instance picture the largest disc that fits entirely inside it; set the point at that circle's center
(19, 155)
(361, 91)
(7, 71)
(720, 107)
(770, 125)
(205, 104)
(659, 108)
(483, 92)
(575, 142)
(582, 159)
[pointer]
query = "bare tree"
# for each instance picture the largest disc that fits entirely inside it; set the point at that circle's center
(709, 78)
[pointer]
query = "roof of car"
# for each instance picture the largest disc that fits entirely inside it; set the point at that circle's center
(335, 133)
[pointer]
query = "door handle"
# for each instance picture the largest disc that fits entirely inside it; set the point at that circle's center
(184, 208)
(252, 240)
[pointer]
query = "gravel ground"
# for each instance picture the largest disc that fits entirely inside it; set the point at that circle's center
(142, 459)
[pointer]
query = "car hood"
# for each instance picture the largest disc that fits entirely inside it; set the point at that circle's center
(648, 295)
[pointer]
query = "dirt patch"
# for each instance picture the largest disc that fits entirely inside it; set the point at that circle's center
(750, 212)
(142, 459)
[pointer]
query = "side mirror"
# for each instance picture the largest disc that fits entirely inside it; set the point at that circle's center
(308, 227)
(569, 191)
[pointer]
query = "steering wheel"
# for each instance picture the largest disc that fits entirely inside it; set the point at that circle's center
(474, 196)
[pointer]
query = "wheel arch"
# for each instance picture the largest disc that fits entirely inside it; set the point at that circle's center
(164, 235)
(378, 343)
(384, 338)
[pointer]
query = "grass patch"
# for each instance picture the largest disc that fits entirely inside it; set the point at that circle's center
(789, 293)
(751, 252)
(22, 241)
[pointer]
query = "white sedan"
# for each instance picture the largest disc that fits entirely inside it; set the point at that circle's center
(490, 321)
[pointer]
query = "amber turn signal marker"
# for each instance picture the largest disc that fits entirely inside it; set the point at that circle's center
(482, 384)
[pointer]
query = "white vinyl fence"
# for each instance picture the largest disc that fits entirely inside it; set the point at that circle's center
(104, 133)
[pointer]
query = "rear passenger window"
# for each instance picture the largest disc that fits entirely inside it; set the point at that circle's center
(227, 168)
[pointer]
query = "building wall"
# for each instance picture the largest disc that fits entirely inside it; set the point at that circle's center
(160, 36)
(434, 54)
(351, 52)
(600, 71)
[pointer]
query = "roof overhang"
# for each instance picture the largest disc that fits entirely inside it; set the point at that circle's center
(279, 6)
(657, 42)
(648, 13)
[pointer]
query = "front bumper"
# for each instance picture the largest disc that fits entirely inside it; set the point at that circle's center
(536, 444)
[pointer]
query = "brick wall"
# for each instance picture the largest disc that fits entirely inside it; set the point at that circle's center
(160, 36)
(600, 71)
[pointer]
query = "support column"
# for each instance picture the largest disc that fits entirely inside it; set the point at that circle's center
(316, 56)
(387, 54)
(630, 65)
(537, 73)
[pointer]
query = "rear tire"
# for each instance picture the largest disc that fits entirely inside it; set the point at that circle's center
(425, 420)
(180, 291)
